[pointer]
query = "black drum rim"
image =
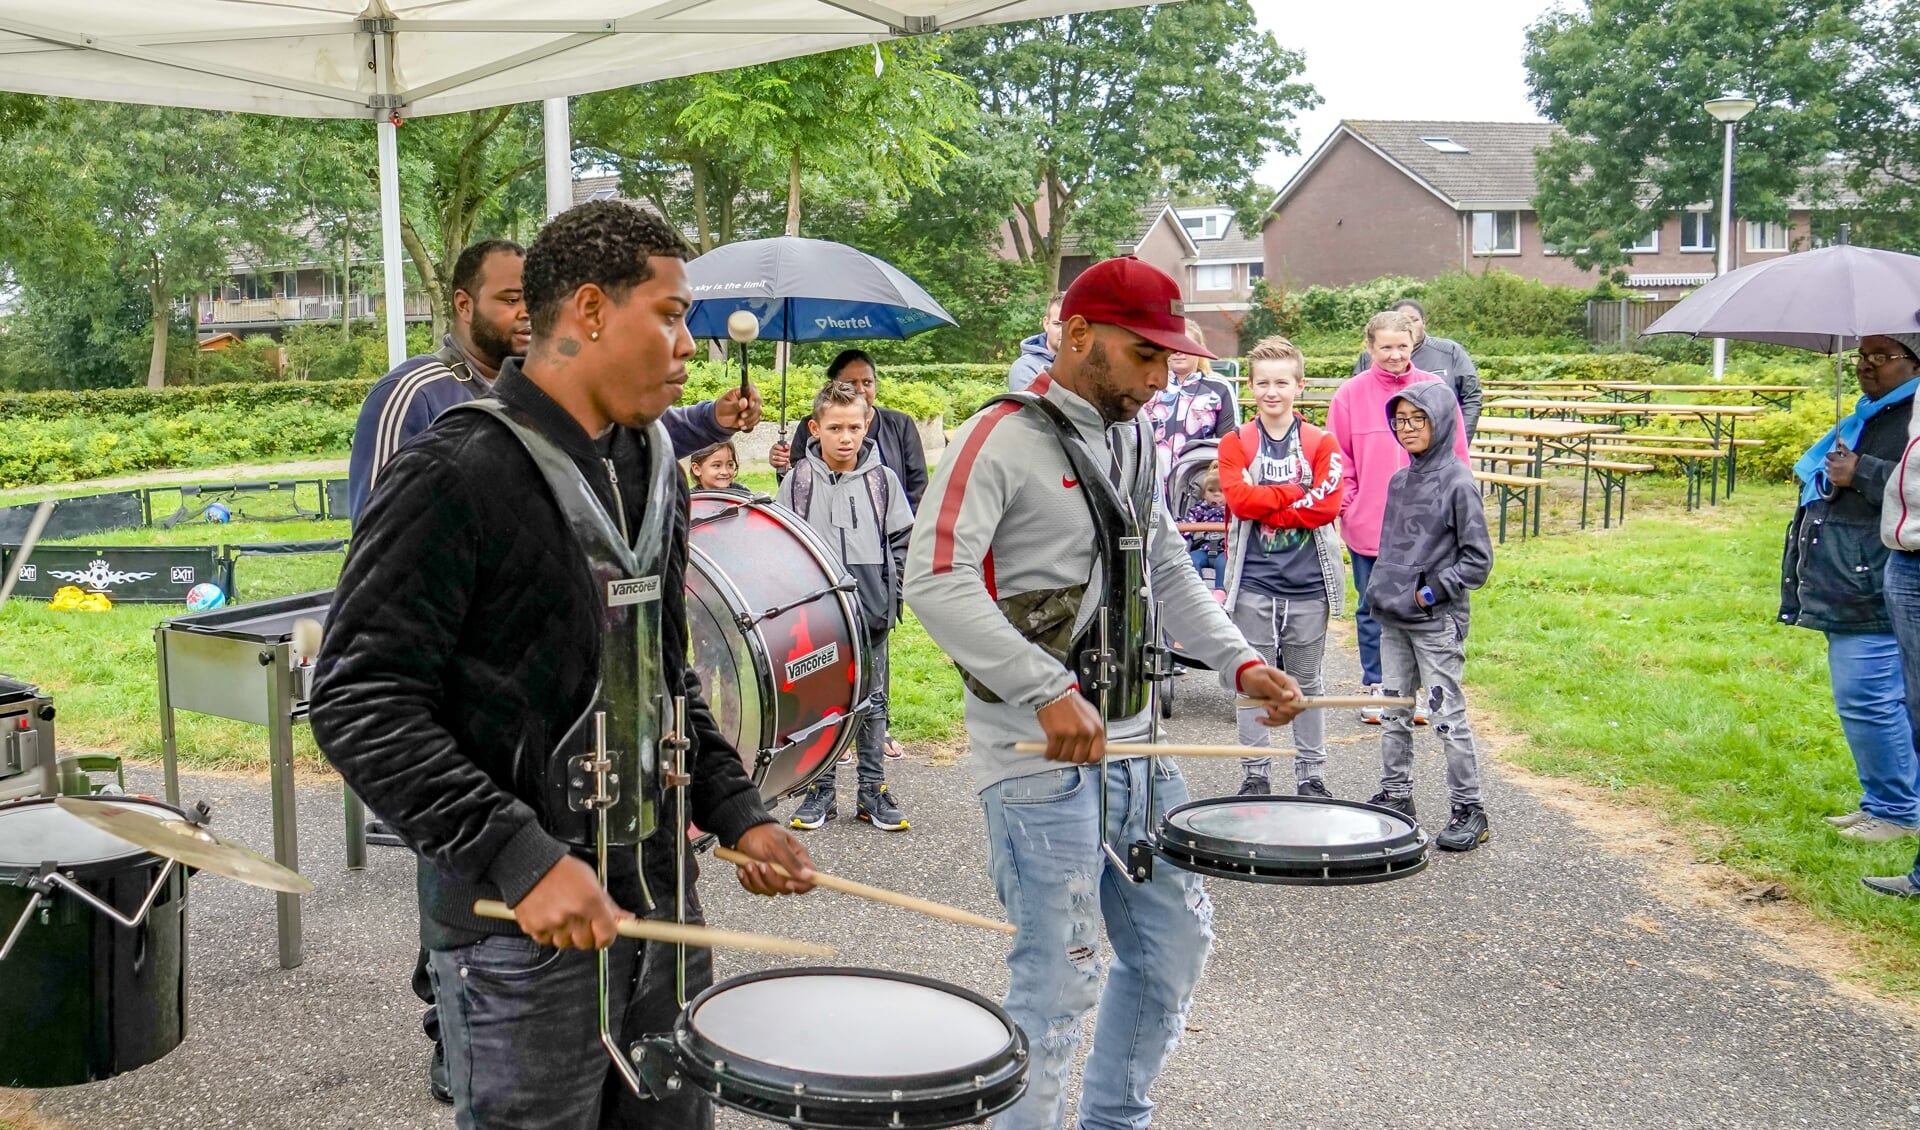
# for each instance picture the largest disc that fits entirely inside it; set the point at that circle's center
(832, 1102)
(1392, 857)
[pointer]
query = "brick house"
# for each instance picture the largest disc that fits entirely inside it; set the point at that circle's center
(1204, 250)
(1421, 198)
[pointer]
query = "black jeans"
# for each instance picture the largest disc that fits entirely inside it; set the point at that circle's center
(521, 1024)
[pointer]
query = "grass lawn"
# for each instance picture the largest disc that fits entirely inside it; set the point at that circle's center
(1647, 661)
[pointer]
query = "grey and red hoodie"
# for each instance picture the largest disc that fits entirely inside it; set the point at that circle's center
(1434, 532)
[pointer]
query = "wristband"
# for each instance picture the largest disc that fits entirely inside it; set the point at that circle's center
(1072, 689)
(1426, 594)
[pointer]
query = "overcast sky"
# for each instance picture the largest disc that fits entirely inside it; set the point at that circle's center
(1438, 59)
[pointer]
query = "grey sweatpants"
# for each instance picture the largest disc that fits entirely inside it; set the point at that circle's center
(1431, 656)
(1291, 634)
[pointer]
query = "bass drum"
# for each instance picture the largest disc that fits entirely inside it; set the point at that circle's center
(775, 633)
(81, 997)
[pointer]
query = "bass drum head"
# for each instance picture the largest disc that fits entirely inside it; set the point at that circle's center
(945, 1056)
(83, 998)
(1306, 841)
(786, 688)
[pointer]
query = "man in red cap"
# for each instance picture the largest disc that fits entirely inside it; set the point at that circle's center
(1033, 556)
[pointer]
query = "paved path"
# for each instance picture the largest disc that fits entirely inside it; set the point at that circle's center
(1538, 982)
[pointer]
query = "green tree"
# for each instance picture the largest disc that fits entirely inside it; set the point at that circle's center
(1880, 129)
(106, 194)
(1110, 108)
(1627, 80)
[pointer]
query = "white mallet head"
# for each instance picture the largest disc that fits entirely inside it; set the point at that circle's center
(306, 639)
(743, 327)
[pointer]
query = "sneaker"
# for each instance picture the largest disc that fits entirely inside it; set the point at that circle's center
(1847, 821)
(893, 750)
(1401, 804)
(819, 807)
(1255, 785)
(438, 1085)
(1873, 830)
(877, 808)
(1466, 831)
(1421, 699)
(1899, 886)
(1371, 714)
(1312, 786)
(846, 756)
(381, 834)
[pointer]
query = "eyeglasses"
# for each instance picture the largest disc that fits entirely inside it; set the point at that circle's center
(1409, 423)
(1877, 359)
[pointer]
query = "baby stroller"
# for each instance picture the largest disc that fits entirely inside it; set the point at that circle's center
(1183, 492)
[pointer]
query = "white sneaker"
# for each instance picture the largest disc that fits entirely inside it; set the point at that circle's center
(1847, 821)
(1371, 715)
(1873, 830)
(1420, 700)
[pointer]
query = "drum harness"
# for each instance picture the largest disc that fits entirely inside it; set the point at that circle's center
(1119, 682)
(609, 792)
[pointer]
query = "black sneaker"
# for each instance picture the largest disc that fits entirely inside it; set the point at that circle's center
(818, 808)
(438, 1085)
(1466, 831)
(1312, 786)
(1256, 785)
(1401, 804)
(380, 834)
(877, 808)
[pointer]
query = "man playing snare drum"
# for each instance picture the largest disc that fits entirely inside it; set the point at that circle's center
(1015, 566)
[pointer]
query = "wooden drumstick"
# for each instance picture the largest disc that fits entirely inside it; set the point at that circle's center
(879, 894)
(651, 931)
(1333, 701)
(1147, 749)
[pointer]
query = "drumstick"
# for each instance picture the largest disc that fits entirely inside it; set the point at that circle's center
(1333, 701)
(1147, 749)
(651, 931)
(879, 894)
(27, 543)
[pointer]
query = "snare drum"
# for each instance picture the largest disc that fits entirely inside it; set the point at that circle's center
(1306, 841)
(944, 1057)
(776, 639)
(82, 997)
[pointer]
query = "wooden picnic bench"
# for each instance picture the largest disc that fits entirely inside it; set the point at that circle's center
(1698, 464)
(1613, 476)
(1510, 490)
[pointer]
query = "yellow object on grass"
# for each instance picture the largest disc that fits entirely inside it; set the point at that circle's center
(70, 598)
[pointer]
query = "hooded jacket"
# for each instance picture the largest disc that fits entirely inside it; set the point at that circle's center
(1357, 417)
(840, 508)
(1035, 358)
(1434, 531)
(898, 439)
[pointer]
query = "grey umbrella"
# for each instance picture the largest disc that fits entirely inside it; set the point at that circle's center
(1825, 300)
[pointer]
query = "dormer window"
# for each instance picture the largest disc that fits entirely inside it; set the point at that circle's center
(1445, 145)
(1203, 227)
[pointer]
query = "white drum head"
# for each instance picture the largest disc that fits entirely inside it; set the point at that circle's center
(879, 1027)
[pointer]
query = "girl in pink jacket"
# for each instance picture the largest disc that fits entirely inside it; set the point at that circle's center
(1357, 417)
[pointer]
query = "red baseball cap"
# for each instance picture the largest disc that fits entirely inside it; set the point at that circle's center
(1137, 297)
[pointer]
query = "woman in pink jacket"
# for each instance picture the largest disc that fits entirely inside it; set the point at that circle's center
(1358, 420)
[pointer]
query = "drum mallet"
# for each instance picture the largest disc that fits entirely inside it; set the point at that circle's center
(1333, 701)
(648, 930)
(878, 894)
(743, 327)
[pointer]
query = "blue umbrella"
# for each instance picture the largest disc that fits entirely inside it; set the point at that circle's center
(807, 290)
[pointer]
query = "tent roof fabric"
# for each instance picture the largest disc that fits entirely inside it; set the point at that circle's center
(320, 58)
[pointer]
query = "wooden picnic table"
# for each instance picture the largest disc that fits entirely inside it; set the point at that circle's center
(1720, 420)
(1571, 439)
(1633, 392)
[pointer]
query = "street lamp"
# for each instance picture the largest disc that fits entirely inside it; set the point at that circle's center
(1728, 108)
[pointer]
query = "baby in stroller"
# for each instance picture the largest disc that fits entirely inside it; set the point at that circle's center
(1199, 506)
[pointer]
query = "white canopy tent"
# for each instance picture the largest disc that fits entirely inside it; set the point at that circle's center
(392, 60)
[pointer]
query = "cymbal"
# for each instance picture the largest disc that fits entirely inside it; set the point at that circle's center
(173, 838)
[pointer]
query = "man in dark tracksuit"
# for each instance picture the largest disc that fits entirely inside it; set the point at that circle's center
(466, 638)
(1444, 358)
(1434, 551)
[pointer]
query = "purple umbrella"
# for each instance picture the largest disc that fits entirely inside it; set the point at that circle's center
(1825, 300)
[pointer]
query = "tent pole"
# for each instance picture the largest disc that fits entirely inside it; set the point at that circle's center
(559, 156)
(390, 252)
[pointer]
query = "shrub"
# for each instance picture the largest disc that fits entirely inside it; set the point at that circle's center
(1785, 436)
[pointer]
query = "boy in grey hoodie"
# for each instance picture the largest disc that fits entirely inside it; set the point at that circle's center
(856, 503)
(1434, 550)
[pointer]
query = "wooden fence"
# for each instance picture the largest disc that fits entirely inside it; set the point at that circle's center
(1621, 321)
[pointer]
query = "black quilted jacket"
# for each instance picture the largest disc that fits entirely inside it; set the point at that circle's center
(464, 636)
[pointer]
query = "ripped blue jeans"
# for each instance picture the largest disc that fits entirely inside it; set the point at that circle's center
(1050, 874)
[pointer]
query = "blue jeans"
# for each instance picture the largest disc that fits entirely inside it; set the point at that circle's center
(1363, 622)
(870, 742)
(1212, 558)
(1048, 869)
(1870, 695)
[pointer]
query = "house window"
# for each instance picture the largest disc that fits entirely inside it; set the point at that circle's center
(287, 284)
(1256, 270)
(1648, 244)
(1696, 231)
(1766, 236)
(1496, 233)
(1202, 227)
(1213, 276)
(1446, 145)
